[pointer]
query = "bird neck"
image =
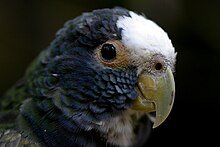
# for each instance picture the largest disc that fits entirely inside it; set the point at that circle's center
(52, 128)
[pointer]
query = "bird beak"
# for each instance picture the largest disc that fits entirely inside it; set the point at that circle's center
(155, 94)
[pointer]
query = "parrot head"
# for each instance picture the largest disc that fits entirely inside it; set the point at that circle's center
(100, 66)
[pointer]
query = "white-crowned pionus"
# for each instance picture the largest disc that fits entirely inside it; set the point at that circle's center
(97, 84)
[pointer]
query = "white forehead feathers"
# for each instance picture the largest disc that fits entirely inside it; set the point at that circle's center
(143, 37)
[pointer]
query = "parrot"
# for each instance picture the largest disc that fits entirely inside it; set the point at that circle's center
(106, 79)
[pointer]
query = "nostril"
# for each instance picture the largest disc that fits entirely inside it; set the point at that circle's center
(158, 66)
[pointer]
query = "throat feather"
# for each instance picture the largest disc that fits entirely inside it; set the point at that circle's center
(120, 130)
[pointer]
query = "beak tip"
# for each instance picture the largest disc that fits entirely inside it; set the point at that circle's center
(156, 124)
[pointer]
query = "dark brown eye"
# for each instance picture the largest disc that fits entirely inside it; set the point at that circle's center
(108, 51)
(112, 54)
(158, 66)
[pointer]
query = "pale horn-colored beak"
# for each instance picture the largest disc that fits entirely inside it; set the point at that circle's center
(155, 94)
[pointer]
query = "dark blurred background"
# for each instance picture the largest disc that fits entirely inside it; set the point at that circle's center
(27, 27)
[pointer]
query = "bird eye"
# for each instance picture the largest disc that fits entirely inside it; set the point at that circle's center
(112, 54)
(108, 51)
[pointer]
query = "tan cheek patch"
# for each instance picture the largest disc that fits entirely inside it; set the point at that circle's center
(122, 55)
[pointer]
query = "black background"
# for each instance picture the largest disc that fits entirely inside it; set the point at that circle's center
(27, 27)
